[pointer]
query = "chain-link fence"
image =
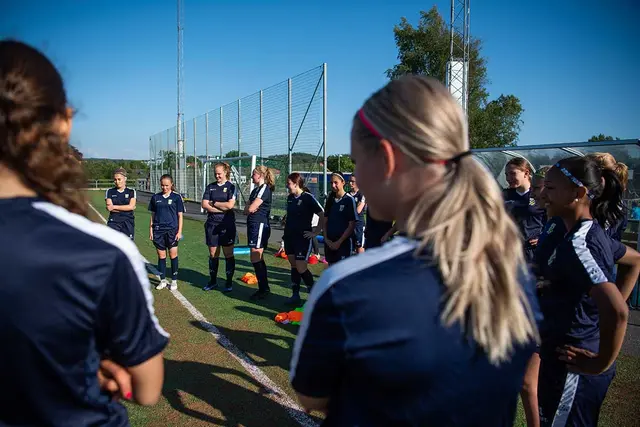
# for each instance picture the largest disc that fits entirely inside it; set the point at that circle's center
(284, 126)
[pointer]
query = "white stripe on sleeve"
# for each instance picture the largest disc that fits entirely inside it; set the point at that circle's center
(579, 243)
(111, 237)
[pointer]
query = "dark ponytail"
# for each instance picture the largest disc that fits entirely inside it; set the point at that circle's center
(607, 207)
(603, 186)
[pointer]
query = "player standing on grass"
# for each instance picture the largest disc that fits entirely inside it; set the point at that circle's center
(299, 233)
(339, 221)
(437, 328)
(522, 206)
(585, 313)
(76, 292)
(258, 211)
(121, 202)
(529, 392)
(358, 232)
(165, 229)
(218, 200)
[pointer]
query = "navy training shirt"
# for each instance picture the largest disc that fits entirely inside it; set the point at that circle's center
(584, 258)
(300, 211)
(359, 198)
(165, 210)
(76, 291)
(220, 193)
(339, 213)
(262, 192)
(554, 232)
(529, 218)
(375, 228)
(372, 341)
(120, 198)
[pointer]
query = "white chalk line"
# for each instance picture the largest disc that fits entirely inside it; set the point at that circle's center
(274, 392)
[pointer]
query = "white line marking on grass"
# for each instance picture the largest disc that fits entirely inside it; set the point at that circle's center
(274, 392)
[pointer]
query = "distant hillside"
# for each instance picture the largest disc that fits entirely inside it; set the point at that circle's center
(103, 168)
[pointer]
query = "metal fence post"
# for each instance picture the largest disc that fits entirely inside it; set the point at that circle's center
(289, 128)
(206, 144)
(176, 175)
(221, 131)
(324, 125)
(239, 139)
(151, 158)
(206, 136)
(195, 163)
(261, 135)
(169, 165)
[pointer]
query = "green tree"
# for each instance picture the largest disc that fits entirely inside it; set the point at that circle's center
(425, 50)
(191, 159)
(235, 153)
(340, 163)
(603, 137)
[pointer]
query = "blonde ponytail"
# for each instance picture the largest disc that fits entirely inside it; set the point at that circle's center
(269, 179)
(477, 249)
(461, 220)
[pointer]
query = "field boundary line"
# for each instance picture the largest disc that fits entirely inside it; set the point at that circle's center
(273, 392)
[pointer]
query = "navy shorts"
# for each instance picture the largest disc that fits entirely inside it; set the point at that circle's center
(298, 246)
(220, 233)
(124, 227)
(344, 251)
(165, 239)
(258, 234)
(569, 399)
(358, 236)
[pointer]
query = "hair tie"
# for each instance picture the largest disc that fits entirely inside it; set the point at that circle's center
(457, 158)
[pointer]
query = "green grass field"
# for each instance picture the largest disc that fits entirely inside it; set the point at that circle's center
(205, 385)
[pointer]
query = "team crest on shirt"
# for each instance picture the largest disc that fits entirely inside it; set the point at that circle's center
(551, 227)
(341, 208)
(224, 190)
(169, 201)
(532, 201)
(126, 196)
(299, 202)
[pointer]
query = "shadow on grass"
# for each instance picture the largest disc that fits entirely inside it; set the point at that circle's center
(243, 292)
(207, 383)
(277, 276)
(263, 349)
(292, 329)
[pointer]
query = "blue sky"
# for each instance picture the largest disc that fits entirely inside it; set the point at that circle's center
(573, 64)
